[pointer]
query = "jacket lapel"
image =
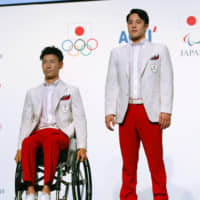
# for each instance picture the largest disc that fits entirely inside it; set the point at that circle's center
(127, 59)
(39, 98)
(60, 91)
(144, 56)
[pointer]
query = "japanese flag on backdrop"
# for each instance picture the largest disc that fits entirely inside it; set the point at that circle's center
(80, 39)
(81, 30)
(189, 21)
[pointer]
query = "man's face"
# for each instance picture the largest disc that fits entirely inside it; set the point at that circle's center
(51, 66)
(136, 27)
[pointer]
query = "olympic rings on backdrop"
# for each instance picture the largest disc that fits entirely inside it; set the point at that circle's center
(70, 47)
(87, 54)
(75, 54)
(80, 45)
(97, 44)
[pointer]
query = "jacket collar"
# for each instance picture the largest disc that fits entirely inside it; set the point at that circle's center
(60, 90)
(143, 57)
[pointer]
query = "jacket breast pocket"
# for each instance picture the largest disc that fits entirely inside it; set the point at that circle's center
(65, 106)
(154, 65)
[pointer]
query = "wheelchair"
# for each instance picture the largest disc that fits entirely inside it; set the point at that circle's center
(70, 173)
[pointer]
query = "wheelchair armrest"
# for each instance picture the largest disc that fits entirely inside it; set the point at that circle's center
(72, 150)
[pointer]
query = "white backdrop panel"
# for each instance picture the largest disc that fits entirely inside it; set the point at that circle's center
(26, 30)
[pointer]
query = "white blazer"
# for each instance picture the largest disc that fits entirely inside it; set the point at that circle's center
(156, 78)
(69, 113)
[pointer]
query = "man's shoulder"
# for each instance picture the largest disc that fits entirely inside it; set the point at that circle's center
(158, 46)
(119, 50)
(120, 47)
(69, 87)
(33, 89)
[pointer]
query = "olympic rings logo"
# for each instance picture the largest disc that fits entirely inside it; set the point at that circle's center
(80, 46)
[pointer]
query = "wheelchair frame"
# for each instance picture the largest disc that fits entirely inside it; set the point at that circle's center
(79, 172)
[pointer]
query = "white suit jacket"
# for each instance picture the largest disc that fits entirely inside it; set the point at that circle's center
(156, 78)
(70, 115)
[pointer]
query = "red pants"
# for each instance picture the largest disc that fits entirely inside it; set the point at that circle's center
(135, 128)
(52, 141)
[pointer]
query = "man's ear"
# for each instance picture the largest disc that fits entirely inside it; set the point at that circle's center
(61, 65)
(146, 26)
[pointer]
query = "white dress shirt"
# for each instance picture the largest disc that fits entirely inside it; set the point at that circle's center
(134, 70)
(47, 119)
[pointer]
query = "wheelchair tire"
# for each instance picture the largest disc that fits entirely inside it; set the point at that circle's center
(81, 180)
(18, 179)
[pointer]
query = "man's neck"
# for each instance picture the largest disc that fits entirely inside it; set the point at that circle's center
(50, 81)
(137, 40)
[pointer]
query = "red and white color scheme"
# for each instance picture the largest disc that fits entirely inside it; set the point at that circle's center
(135, 129)
(51, 141)
(138, 118)
(22, 38)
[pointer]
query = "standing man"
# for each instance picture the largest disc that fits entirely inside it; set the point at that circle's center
(139, 94)
(52, 111)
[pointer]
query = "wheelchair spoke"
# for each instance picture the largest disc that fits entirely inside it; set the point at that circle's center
(39, 179)
(66, 192)
(82, 183)
(78, 175)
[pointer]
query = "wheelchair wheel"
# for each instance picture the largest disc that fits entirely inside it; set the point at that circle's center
(81, 180)
(18, 180)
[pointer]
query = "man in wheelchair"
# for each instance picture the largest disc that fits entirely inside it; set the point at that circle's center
(51, 114)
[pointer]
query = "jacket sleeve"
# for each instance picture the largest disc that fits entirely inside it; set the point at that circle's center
(26, 119)
(111, 86)
(166, 82)
(79, 119)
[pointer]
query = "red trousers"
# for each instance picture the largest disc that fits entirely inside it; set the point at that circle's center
(135, 128)
(52, 141)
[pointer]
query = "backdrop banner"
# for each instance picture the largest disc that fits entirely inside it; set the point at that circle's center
(86, 32)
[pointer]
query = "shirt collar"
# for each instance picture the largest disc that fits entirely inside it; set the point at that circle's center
(137, 44)
(53, 84)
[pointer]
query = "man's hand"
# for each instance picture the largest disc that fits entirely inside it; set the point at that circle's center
(110, 119)
(18, 156)
(164, 120)
(81, 154)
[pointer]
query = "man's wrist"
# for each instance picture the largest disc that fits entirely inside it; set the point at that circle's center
(165, 113)
(82, 149)
(111, 115)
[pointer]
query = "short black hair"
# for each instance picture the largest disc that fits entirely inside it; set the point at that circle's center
(142, 14)
(52, 50)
